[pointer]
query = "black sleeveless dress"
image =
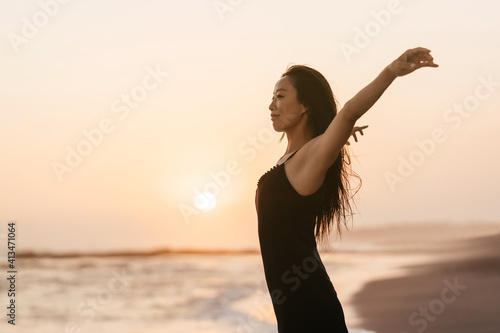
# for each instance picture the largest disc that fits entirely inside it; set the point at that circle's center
(302, 294)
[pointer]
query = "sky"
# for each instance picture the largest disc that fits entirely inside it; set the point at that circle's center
(117, 116)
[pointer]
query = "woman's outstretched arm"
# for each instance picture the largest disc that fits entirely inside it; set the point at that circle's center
(407, 63)
(325, 150)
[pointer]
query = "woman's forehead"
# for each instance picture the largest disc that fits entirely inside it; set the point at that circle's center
(283, 84)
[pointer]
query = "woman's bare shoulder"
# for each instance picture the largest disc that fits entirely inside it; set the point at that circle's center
(302, 175)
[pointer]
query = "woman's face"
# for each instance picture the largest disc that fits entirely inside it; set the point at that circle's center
(286, 110)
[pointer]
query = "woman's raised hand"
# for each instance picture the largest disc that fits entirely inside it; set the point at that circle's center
(412, 60)
(357, 129)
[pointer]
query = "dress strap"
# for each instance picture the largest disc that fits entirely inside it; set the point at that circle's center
(289, 157)
(277, 164)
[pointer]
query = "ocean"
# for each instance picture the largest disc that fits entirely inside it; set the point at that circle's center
(206, 293)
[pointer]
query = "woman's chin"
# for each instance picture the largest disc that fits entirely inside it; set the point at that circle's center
(277, 127)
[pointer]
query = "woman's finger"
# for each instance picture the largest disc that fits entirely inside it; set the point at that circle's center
(421, 49)
(419, 53)
(430, 64)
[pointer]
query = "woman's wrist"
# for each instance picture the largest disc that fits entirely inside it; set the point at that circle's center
(388, 74)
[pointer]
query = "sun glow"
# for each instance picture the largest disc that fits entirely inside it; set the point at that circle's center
(205, 201)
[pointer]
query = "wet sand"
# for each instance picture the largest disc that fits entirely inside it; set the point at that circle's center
(459, 292)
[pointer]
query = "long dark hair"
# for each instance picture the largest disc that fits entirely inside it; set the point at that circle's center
(314, 92)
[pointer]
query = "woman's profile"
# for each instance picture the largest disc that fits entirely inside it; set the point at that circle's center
(307, 193)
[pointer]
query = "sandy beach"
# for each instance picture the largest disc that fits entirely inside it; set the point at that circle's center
(458, 291)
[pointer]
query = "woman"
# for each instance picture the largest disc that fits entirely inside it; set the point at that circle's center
(300, 199)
